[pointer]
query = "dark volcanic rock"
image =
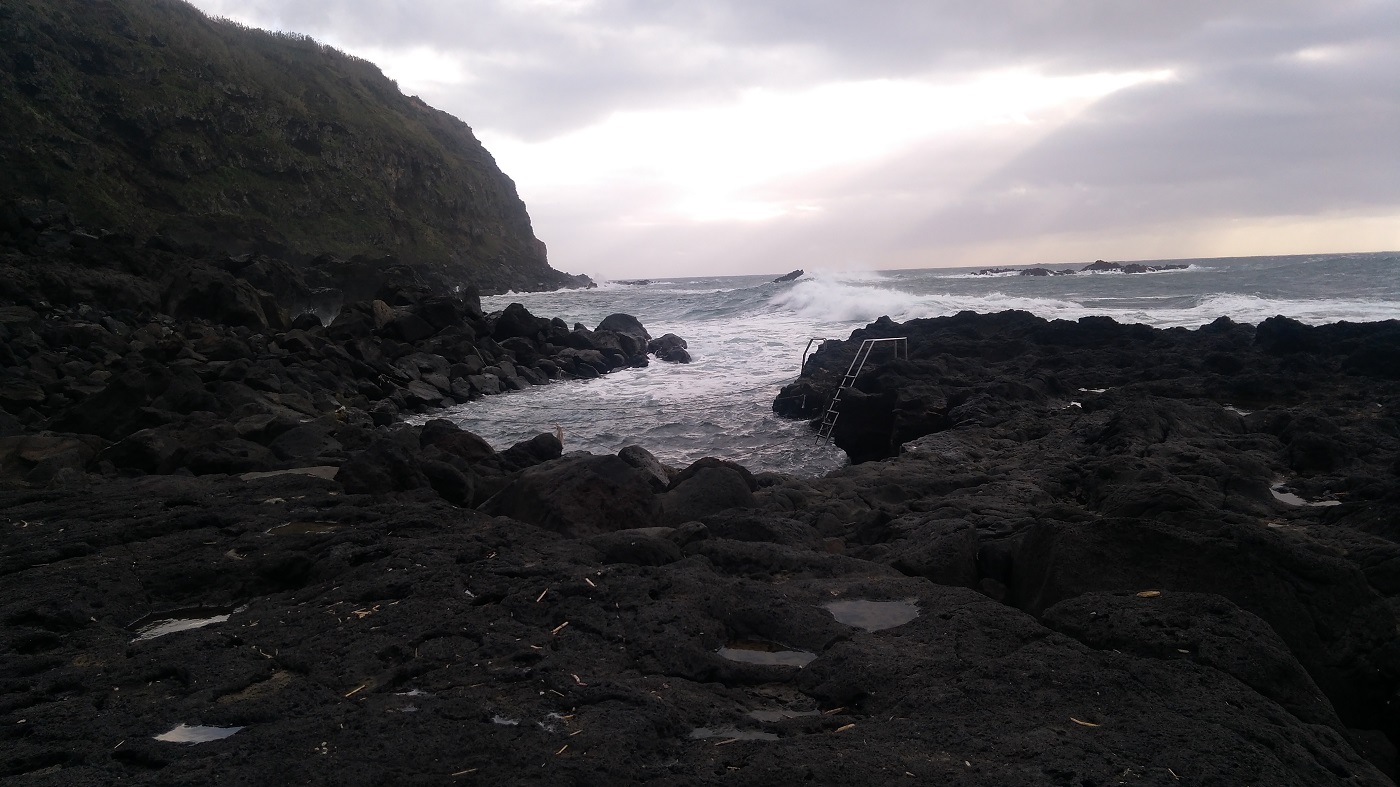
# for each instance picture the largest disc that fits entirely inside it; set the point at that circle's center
(1065, 467)
(389, 464)
(205, 293)
(669, 347)
(1287, 586)
(1202, 628)
(707, 487)
(657, 474)
(624, 324)
(543, 447)
(1081, 552)
(579, 495)
(517, 321)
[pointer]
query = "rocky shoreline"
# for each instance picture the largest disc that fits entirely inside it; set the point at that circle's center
(1067, 553)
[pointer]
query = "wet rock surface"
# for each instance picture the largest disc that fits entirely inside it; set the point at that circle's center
(1085, 594)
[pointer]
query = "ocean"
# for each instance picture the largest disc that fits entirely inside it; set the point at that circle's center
(747, 336)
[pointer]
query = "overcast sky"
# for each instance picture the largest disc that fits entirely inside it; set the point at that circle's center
(670, 138)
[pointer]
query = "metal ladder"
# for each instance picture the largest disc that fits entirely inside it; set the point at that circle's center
(833, 410)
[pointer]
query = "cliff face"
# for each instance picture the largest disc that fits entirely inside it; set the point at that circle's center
(147, 117)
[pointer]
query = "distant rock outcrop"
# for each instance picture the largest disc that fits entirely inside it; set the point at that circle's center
(1097, 266)
(793, 276)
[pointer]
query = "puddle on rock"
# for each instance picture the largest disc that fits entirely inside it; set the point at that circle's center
(1238, 411)
(753, 651)
(780, 715)
(183, 733)
(151, 626)
(731, 733)
(1291, 499)
(872, 615)
(304, 529)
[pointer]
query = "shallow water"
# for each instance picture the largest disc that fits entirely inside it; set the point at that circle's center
(1279, 493)
(780, 715)
(183, 733)
(768, 653)
(184, 620)
(872, 615)
(732, 733)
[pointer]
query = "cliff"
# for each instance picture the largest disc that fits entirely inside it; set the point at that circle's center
(149, 118)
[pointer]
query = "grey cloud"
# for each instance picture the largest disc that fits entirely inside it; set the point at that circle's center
(1247, 130)
(541, 73)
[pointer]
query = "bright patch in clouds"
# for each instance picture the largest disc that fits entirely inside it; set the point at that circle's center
(417, 70)
(728, 162)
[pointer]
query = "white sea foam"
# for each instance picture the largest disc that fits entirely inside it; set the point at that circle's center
(840, 302)
(1253, 309)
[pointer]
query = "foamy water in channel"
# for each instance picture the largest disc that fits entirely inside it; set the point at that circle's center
(747, 336)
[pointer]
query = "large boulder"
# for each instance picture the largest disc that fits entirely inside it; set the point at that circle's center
(707, 487)
(516, 320)
(657, 474)
(119, 409)
(631, 337)
(624, 324)
(38, 458)
(201, 292)
(579, 495)
(390, 464)
(543, 447)
(669, 347)
(446, 436)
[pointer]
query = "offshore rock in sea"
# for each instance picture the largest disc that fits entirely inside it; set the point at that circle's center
(669, 347)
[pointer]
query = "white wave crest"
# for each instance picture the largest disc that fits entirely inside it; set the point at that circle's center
(832, 300)
(838, 301)
(1253, 309)
(835, 300)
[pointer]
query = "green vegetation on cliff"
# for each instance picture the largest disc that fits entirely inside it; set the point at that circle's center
(146, 116)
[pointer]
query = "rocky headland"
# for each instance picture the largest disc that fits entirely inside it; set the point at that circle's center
(147, 118)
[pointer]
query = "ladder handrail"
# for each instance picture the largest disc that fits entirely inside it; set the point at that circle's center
(828, 424)
(808, 349)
